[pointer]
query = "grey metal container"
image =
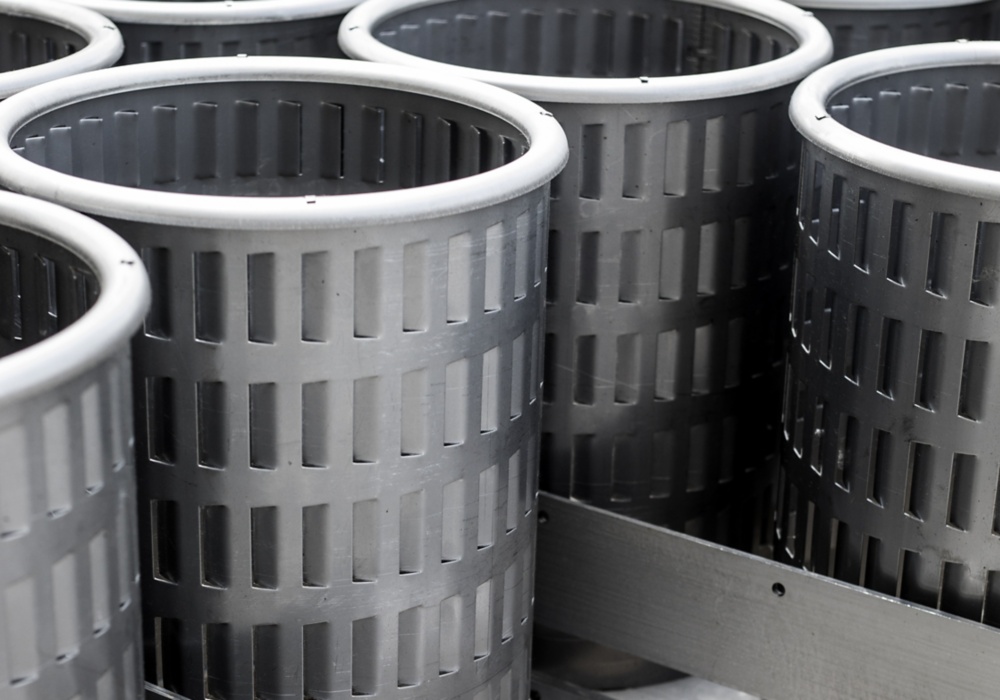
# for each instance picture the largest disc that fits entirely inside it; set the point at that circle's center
(338, 382)
(71, 295)
(868, 25)
(157, 30)
(44, 41)
(670, 241)
(891, 428)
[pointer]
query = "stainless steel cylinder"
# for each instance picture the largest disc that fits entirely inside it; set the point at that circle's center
(71, 295)
(338, 382)
(891, 433)
(670, 243)
(868, 25)
(44, 41)
(157, 30)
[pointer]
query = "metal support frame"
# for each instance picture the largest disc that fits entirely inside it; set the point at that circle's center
(746, 622)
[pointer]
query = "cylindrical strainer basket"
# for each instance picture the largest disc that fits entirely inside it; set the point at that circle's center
(71, 295)
(670, 237)
(868, 25)
(338, 382)
(157, 30)
(892, 433)
(43, 41)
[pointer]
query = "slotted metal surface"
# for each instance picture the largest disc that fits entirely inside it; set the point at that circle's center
(340, 423)
(669, 252)
(157, 30)
(857, 27)
(69, 591)
(890, 436)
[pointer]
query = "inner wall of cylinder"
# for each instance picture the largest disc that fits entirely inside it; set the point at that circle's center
(946, 113)
(586, 38)
(269, 139)
(43, 289)
(30, 42)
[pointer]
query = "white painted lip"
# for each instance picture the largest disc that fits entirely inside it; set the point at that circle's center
(809, 113)
(103, 43)
(546, 155)
(883, 4)
(222, 12)
(815, 48)
(105, 329)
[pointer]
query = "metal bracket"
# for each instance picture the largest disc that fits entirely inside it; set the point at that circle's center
(746, 622)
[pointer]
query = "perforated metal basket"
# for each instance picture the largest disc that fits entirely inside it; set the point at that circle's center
(867, 25)
(43, 41)
(71, 295)
(157, 30)
(339, 378)
(669, 245)
(891, 427)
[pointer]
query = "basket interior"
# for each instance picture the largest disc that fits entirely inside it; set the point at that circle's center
(30, 42)
(43, 289)
(947, 113)
(270, 139)
(586, 38)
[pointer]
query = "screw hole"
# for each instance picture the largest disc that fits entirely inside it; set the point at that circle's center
(543, 518)
(778, 589)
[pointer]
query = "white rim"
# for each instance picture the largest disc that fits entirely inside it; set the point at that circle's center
(883, 4)
(103, 47)
(545, 157)
(809, 113)
(104, 329)
(223, 12)
(815, 49)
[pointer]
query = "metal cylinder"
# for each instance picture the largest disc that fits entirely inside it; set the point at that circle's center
(868, 25)
(71, 295)
(158, 30)
(669, 246)
(891, 434)
(339, 378)
(45, 41)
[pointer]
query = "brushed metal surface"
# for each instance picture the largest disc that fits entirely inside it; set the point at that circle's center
(715, 613)
(339, 423)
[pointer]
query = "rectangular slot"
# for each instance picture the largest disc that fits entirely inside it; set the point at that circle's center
(412, 526)
(591, 160)
(411, 150)
(318, 661)
(264, 547)
(99, 552)
(316, 547)
(213, 427)
(165, 531)
(675, 180)
(588, 282)
(672, 264)
(59, 461)
(24, 658)
(514, 494)
(261, 301)
(168, 645)
(634, 165)
(373, 144)
(215, 532)
(704, 351)
(856, 343)
(627, 369)
(836, 207)
(414, 399)
(164, 143)
(365, 541)
(410, 654)
(631, 285)
(713, 173)
(367, 435)
(263, 426)
(450, 626)
(526, 234)
(889, 357)
(986, 266)
(205, 136)
(816, 201)
(315, 424)
(511, 583)
(157, 261)
(880, 468)
(484, 616)
(126, 142)
(246, 114)
(456, 402)
(965, 477)
(747, 157)
(930, 370)
(584, 379)
(710, 251)
(66, 606)
(160, 422)
(459, 278)
(493, 282)
(920, 481)
(210, 303)
(489, 419)
(942, 250)
(315, 309)
(453, 521)
(899, 231)
(518, 375)
(368, 293)
(331, 141)
(288, 140)
(667, 359)
(416, 288)
(488, 497)
(917, 136)
(973, 391)
(849, 440)
(217, 657)
(866, 201)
